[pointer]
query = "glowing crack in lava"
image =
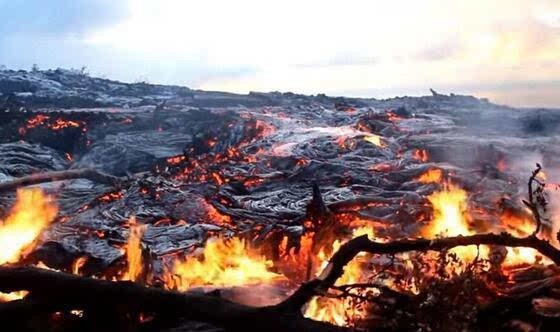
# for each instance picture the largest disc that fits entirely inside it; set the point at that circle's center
(433, 175)
(225, 262)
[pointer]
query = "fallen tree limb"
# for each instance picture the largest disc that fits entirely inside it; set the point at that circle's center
(85, 173)
(56, 291)
(350, 249)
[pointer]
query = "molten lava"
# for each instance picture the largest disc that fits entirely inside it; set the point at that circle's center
(32, 212)
(421, 155)
(225, 262)
(433, 175)
(375, 140)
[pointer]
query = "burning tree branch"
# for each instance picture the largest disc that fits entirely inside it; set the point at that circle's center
(334, 270)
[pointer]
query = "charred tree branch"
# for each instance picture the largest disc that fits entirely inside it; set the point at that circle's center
(350, 249)
(87, 173)
(532, 204)
(56, 291)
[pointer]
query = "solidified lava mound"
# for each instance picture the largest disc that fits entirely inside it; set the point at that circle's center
(281, 181)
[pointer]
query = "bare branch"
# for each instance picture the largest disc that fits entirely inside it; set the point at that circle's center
(86, 173)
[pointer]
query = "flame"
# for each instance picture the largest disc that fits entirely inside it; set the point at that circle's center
(520, 226)
(542, 175)
(7, 297)
(375, 140)
(134, 250)
(433, 175)
(519, 256)
(226, 262)
(78, 264)
(339, 311)
(517, 224)
(32, 212)
(450, 219)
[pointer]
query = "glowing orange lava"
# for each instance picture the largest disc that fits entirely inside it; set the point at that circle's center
(421, 155)
(375, 140)
(433, 175)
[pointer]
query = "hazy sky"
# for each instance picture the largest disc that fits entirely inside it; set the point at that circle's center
(507, 50)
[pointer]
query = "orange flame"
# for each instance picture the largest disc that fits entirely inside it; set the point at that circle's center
(78, 264)
(450, 219)
(32, 212)
(134, 250)
(519, 225)
(338, 311)
(226, 262)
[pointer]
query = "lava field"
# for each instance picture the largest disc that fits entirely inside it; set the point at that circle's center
(272, 211)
